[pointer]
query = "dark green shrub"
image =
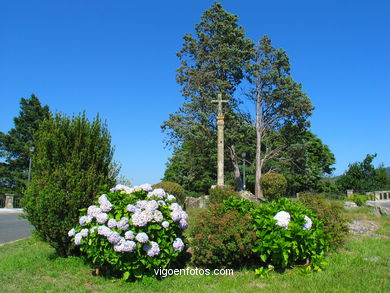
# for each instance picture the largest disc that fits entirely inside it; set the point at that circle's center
(274, 185)
(331, 213)
(173, 188)
(288, 233)
(70, 165)
(222, 239)
(219, 194)
(359, 199)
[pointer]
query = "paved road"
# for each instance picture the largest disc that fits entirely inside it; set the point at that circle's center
(386, 205)
(12, 227)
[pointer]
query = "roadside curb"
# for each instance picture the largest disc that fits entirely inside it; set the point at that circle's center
(13, 241)
(10, 211)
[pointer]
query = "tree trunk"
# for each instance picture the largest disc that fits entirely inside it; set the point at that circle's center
(259, 133)
(236, 166)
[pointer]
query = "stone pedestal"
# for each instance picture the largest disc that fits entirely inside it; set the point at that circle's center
(349, 192)
(9, 201)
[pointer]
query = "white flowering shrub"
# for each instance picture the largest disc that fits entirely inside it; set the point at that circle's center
(288, 234)
(131, 231)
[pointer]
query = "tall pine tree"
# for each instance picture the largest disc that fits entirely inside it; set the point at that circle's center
(15, 146)
(213, 61)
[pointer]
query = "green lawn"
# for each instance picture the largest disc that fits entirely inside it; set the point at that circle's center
(363, 265)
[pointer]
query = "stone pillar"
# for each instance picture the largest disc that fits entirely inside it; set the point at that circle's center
(349, 192)
(220, 125)
(9, 201)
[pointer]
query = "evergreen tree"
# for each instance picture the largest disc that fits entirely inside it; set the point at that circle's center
(213, 61)
(279, 102)
(15, 146)
(363, 176)
(72, 162)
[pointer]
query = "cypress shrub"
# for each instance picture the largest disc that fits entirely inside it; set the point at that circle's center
(70, 166)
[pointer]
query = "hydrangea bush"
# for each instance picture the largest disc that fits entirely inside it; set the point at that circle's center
(288, 234)
(131, 231)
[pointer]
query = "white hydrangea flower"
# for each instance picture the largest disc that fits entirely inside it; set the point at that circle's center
(170, 197)
(71, 232)
(147, 187)
(283, 219)
(85, 220)
(105, 204)
(104, 230)
(77, 239)
(111, 223)
(158, 216)
(102, 218)
(123, 224)
(152, 249)
(308, 224)
(165, 224)
(131, 208)
(142, 237)
(178, 244)
(120, 187)
(84, 232)
(93, 211)
(129, 235)
(151, 206)
(158, 192)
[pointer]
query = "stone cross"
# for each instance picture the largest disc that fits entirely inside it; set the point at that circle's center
(220, 127)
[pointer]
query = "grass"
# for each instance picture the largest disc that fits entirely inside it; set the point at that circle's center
(362, 265)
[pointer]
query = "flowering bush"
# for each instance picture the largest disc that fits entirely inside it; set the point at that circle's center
(131, 231)
(288, 234)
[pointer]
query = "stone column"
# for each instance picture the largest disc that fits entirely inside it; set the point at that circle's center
(220, 125)
(349, 192)
(9, 201)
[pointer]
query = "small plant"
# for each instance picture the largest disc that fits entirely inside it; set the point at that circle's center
(132, 231)
(331, 214)
(219, 194)
(288, 234)
(173, 188)
(274, 185)
(359, 199)
(222, 238)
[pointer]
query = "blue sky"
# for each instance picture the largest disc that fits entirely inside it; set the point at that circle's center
(118, 58)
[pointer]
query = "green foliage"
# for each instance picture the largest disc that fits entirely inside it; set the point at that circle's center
(284, 247)
(274, 185)
(219, 194)
(331, 214)
(363, 176)
(238, 204)
(359, 199)
(306, 160)
(15, 146)
(279, 101)
(213, 60)
(173, 188)
(222, 239)
(71, 164)
(135, 262)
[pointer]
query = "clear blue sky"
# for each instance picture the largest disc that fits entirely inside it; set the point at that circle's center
(117, 58)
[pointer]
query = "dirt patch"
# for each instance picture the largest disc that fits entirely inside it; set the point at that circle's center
(257, 285)
(362, 227)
